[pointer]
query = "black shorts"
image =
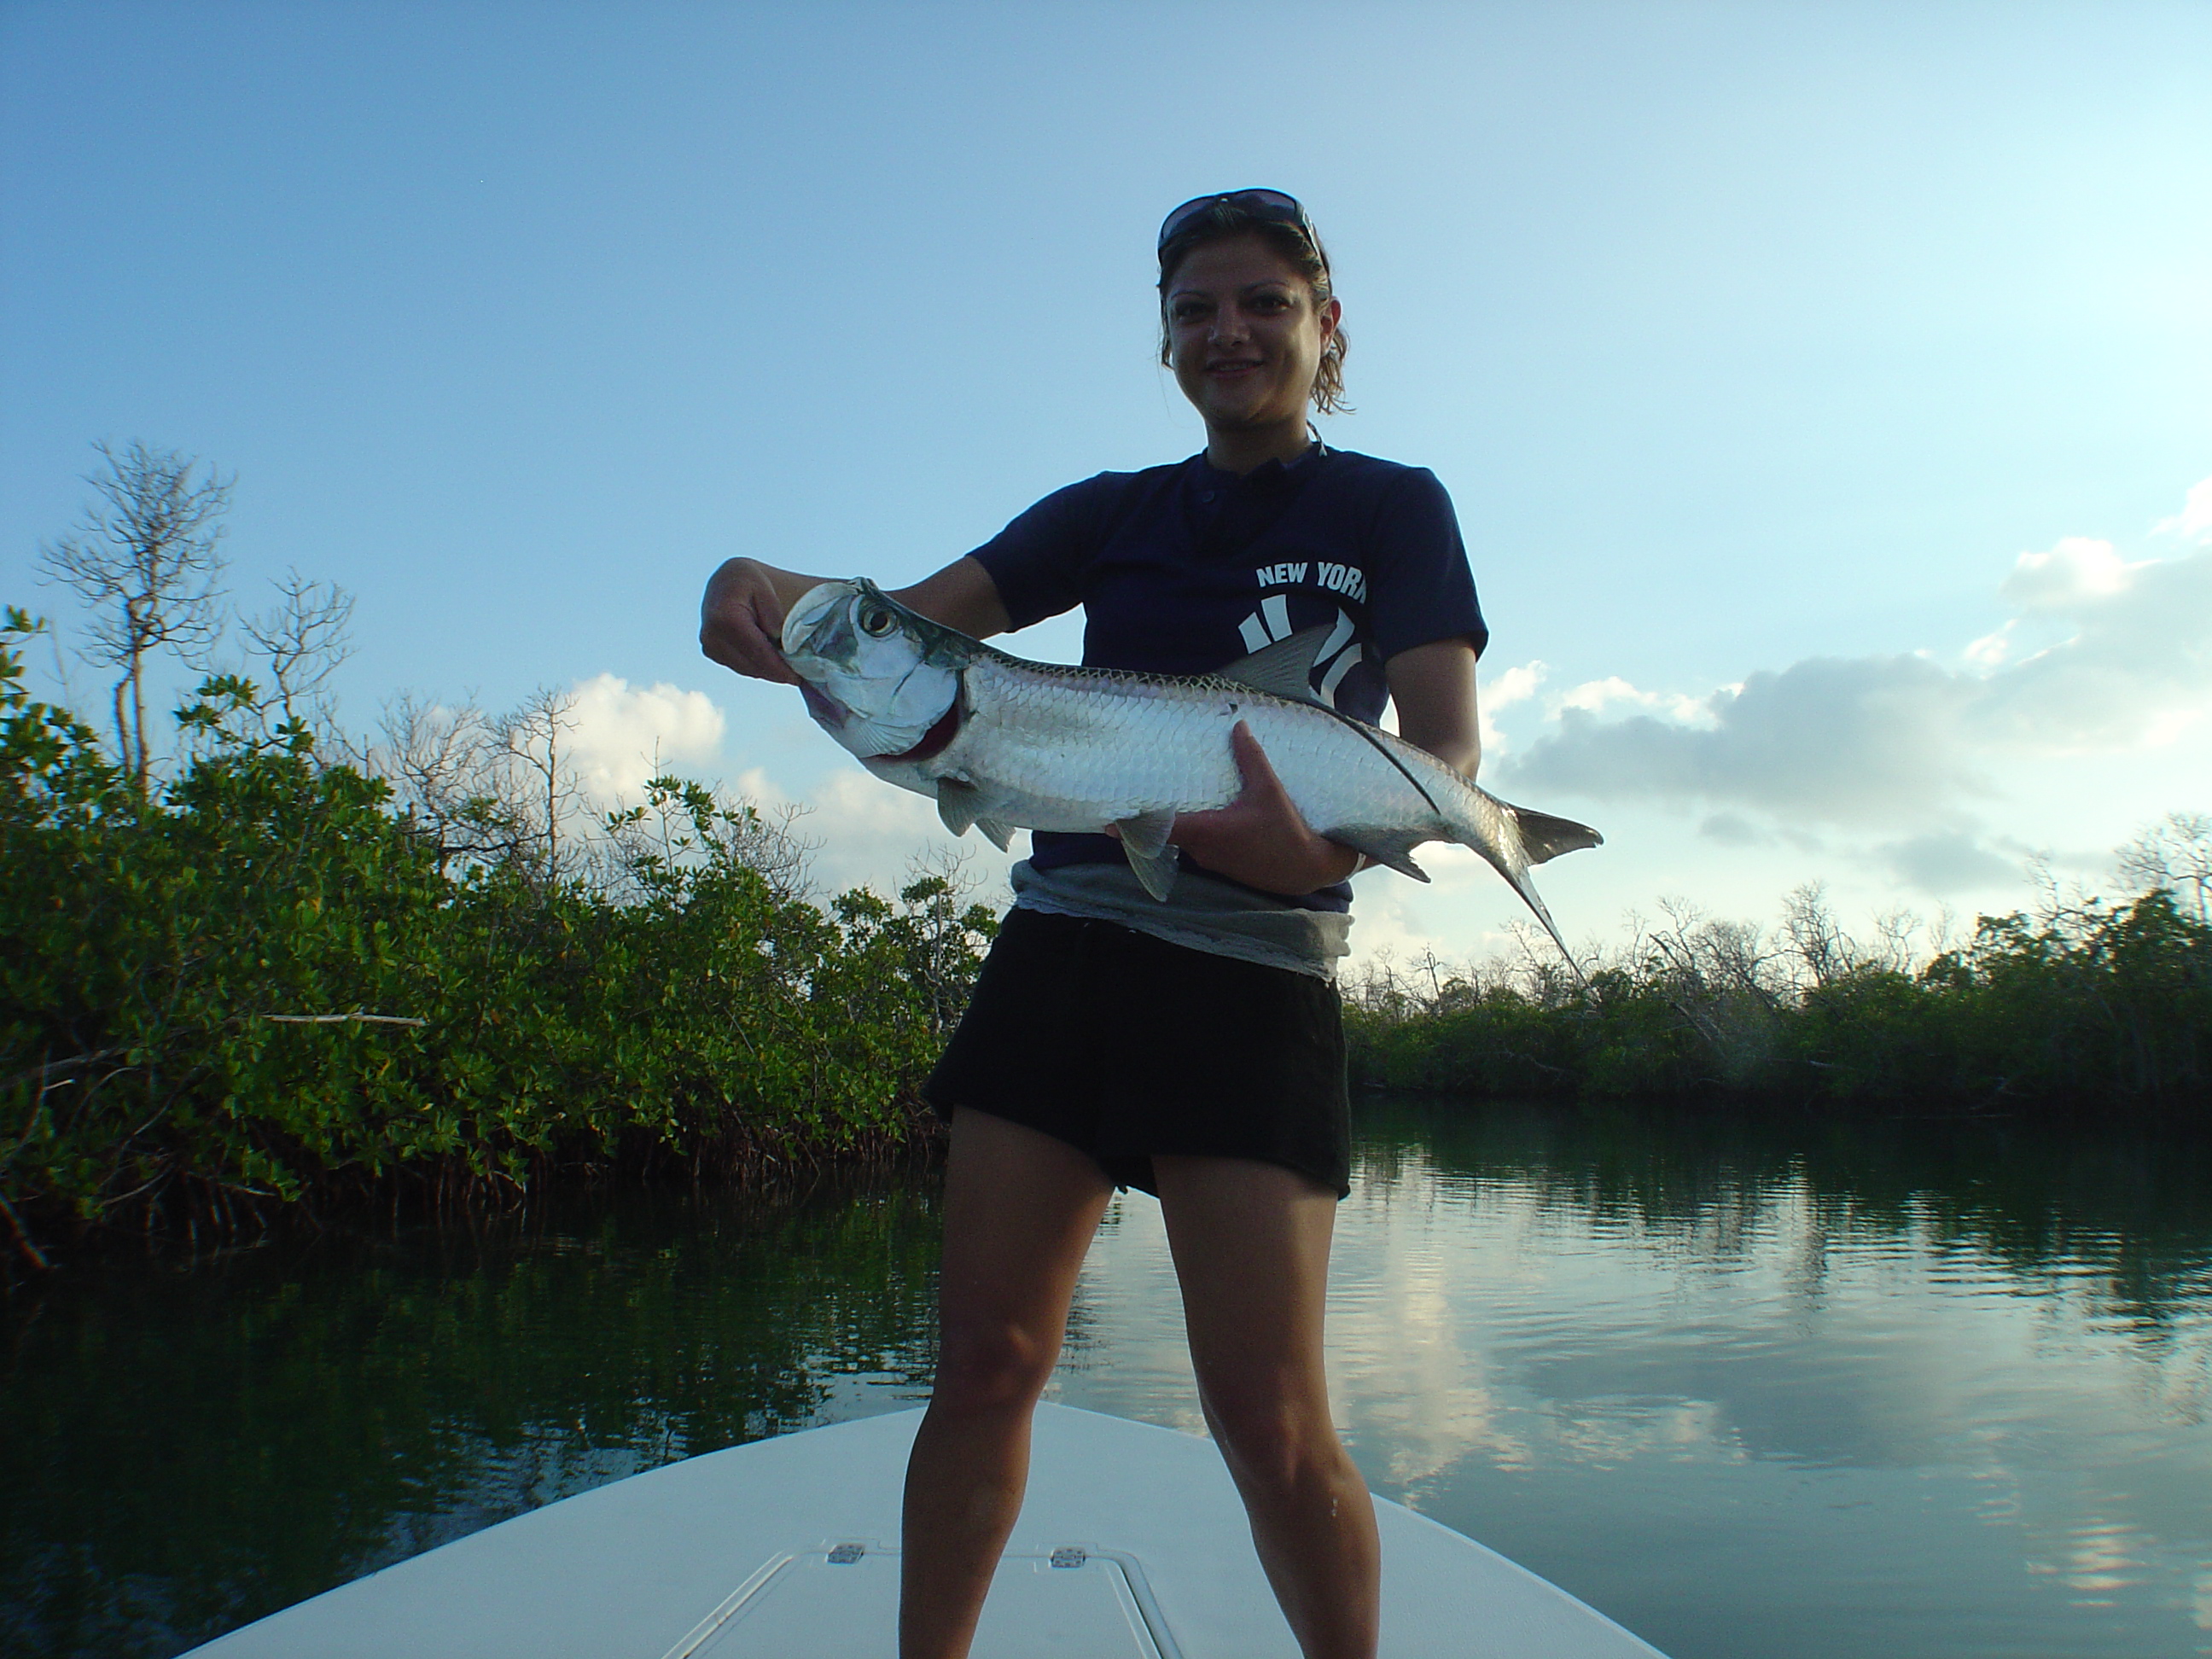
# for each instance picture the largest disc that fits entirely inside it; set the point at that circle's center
(1125, 1046)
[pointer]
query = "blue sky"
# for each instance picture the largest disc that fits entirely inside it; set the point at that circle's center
(1756, 345)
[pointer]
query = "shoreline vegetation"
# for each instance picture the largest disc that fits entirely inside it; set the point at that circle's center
(280, 973)
(285, 981)
(2083, 1007)
(302, 975)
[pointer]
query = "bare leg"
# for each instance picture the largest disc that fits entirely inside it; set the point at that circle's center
(1020, 1209)
(1251, 1248)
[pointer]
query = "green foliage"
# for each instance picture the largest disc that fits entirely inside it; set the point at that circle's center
(158, 954)
(2094, 1006)
(2089, 1006)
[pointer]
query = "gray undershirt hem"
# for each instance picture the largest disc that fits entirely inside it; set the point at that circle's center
(1199, 913)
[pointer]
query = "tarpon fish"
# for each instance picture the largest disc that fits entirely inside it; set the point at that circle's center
(1003, 743)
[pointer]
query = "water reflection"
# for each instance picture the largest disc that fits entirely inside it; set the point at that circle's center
(1941, 1389)
(1754, 1388)
(183, 1448)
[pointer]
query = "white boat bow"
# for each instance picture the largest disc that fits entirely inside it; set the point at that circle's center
(1132, 1544)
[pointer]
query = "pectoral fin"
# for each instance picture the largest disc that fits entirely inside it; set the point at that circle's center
(1145, 840)
(1393, 848)
(957, 804)
(961, 804)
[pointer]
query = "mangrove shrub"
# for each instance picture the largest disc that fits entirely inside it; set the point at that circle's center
(259, 985)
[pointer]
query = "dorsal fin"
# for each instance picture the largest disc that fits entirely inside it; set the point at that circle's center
(1283, 669)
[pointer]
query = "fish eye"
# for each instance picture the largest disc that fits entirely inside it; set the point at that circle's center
(876, 621)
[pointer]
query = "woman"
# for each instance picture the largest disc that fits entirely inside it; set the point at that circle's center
(1192, 1047)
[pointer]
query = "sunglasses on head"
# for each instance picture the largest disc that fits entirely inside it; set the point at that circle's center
(1272, 206)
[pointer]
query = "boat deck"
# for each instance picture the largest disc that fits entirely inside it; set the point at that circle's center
(1132, 1544)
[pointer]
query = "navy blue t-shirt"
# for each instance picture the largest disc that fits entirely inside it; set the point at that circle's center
(1184, 569)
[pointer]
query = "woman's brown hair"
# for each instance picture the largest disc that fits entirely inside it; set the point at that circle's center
(1226, 218)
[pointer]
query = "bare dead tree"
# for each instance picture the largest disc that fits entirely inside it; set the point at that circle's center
(447, 768)
(769, 844)
(2174, 853)
(1943, 931)
(1895, 930)
(486, 789)
(1544, 978)
(1430, 963)
(144, 557)
(1719, 977)
(1824, 951)
(942, 964)
(549, 791)
(684, 831)
(685, 825)
(303, 638)
(2052, 904)
(1376, 986)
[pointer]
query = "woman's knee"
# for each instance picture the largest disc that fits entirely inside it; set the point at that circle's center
(987, 1364)
(1271, 1434)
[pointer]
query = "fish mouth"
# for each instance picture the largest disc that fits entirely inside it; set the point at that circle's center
(934, 741)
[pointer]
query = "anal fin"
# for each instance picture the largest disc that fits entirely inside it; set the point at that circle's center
(1391, 848)
(1001, 832)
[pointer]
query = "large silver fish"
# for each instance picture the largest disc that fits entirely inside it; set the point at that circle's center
(1002, 743)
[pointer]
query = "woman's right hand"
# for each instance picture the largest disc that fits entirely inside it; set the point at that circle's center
(741, 618)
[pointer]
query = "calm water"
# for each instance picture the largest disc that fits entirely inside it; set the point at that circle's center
(1915, 1388)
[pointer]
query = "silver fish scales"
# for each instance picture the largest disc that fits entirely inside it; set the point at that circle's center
(1001, 743)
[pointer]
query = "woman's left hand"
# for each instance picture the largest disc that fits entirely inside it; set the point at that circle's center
(1261, 838)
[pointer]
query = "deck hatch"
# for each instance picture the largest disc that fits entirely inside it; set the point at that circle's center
(841, 1602)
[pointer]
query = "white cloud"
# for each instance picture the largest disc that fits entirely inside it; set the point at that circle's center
(2080, 572)
(1901, 740)
(1847, 740)
(1592, 696)
(2139, 660)
(1514, 685)
(2194, 521)
(1595, 696)
(620, 734)
(1991, 649)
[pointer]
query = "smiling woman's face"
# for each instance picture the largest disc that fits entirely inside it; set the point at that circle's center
(1244, 334)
